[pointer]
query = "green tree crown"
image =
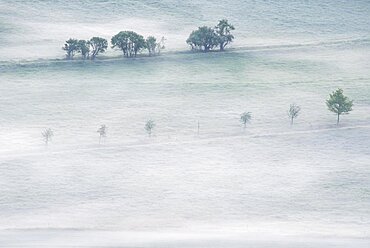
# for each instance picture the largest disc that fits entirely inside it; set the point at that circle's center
(71, 47)
(339, 104)
(129, 42)
(84, 48)
(151, 44)
(98, 45)
(204, 39)
(223, 29)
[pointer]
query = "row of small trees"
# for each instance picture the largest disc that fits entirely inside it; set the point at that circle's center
(48, 133)
(129, 42)
(337, 103)
(149, 126)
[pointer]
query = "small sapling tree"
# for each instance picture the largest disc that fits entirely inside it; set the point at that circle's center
(293, 112)
(102, 132)
(339, 104)
(245, 118)
(47, 134)
(149, 126)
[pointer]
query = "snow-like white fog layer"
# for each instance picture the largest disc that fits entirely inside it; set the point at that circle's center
(201, 179)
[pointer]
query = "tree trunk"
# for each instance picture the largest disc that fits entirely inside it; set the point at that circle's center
(93, 55)
(291, 121)
(338, 119)
(222, 47)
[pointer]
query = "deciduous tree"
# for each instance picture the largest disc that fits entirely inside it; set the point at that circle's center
(223, 30)
(129, 42)
(245, 118)
(203, 39)
(71, 47)
(98, 45)
(102, 132)
(339, 103)
(151, 45)
(293, 112)
(47, 134)
(84, 48)
(149, 126)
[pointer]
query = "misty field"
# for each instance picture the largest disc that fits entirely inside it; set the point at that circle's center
(306, 179)
(198, 178)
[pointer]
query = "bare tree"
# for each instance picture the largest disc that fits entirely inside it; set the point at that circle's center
(47, 134)
(149, 126)
(160, 45)
(102, 132)
(245, 118)
(293, 112)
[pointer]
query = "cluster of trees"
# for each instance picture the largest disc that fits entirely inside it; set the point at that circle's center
(337, 103)
(88, 49)
(129, 42)
(208, 38)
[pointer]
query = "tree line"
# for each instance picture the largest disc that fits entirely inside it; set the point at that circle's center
(203, 39)
(129, 42)
(337, 103)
